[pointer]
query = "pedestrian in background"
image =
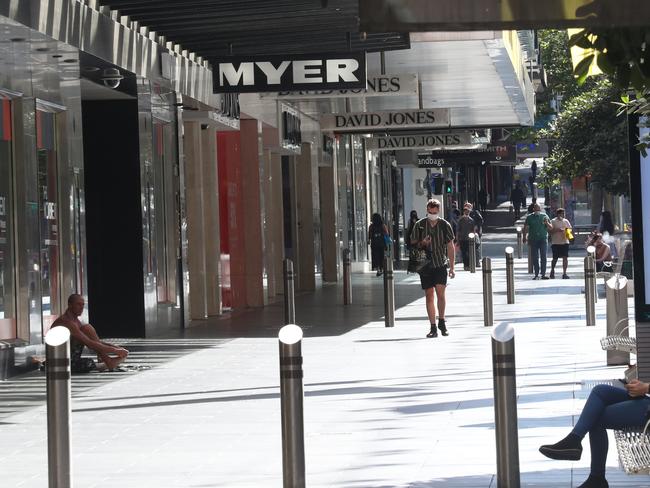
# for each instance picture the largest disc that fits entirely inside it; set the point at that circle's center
(517, 198)
(466, 226)
(413, 219)
(435, 235)
(376, 235)
(560, 242)
(536, 230)
(482, 200)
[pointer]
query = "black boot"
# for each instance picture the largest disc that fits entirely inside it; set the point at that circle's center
(568, 449)
(442, 327)
(434, 332)
(595, 482)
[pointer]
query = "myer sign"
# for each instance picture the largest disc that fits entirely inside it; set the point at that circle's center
(398, 119)
(420, 141)
(289, 73)
(377, 86)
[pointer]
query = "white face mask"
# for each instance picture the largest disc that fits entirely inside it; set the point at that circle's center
(432, 217)
(537, 212)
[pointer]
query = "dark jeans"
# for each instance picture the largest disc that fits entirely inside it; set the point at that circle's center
(608, 407)
(464, 250)
(539, 248)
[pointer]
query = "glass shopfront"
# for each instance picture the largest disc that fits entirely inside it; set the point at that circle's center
(7, 255)
(48, 215)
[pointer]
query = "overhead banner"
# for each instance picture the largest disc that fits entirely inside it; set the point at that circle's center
(466, 15)
(377, 86)
(420, 141)
(397, 119)
(292, 72)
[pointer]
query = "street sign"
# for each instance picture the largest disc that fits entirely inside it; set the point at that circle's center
(377, 86)
(446, 140)
(397, 119)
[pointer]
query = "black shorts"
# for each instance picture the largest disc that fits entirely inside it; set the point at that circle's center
(560, 251)
(430, 276)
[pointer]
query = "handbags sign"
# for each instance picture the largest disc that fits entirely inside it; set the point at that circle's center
(423, 141)
(399, 119)
(289, 73)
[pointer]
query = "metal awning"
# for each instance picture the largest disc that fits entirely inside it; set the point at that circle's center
(212, 28)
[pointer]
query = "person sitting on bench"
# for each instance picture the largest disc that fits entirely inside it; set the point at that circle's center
(608, 407)
(110, 356)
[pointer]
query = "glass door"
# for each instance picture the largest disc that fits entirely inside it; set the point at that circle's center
(7, 254)
(49, 258)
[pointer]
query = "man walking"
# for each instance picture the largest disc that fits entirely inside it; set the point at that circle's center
(436, 237)
(560, 242)
(517, 198)
(536, 228)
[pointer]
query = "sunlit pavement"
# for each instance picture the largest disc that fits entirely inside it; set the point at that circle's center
(383, 407)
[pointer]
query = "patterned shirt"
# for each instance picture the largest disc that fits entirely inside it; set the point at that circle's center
(537, 230)
(441, 234)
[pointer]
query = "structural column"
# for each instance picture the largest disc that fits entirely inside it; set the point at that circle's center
(305, 219)
(329, 240)
(195, 220)
(211, 241)
(252, 223)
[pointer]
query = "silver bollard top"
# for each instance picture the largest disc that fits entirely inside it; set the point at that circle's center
(591, 249)
(518, 229)
(471, 235)
(289, 334)
(57, 336)
(509, 250)
(503, 332)
(617, 282)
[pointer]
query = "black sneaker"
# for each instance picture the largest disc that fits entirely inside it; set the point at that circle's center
(535, 277)
(443, 327)
(568, 449)
(434, 332)
(552, 275)
(595, 482)
(565, 276)
(544, 277)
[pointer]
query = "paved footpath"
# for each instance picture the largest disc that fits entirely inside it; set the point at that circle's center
(383, 407)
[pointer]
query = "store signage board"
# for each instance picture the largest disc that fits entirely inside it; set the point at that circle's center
(377, 86)
(467, 15)
(428, 161)
(397, 119)
(254, 74)
(492, 152)
(446, 140)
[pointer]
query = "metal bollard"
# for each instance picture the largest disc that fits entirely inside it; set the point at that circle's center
(520, 244)
(389, 292)
(472, 252)
(617, 317)
(590, 284)
(347, 278)
(57, 367)
(488, 307)
(289, 293)
(591, 251)
(510, 275)
(530, 259)
(291, 405)
(505, 406)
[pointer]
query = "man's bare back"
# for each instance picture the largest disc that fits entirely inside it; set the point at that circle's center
(110, 356)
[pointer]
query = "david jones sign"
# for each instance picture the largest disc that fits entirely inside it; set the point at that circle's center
(289, 73)
(399, 119)
(420, 141)
(377, 86)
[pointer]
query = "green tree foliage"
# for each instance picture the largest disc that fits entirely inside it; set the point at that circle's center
(591, 140)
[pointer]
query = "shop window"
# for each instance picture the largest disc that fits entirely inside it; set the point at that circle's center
(49, 259)
(7, 257)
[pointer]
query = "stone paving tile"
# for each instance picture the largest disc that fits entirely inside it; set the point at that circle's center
(383, 407)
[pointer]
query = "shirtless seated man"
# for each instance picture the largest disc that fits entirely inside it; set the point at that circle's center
(110, 356)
